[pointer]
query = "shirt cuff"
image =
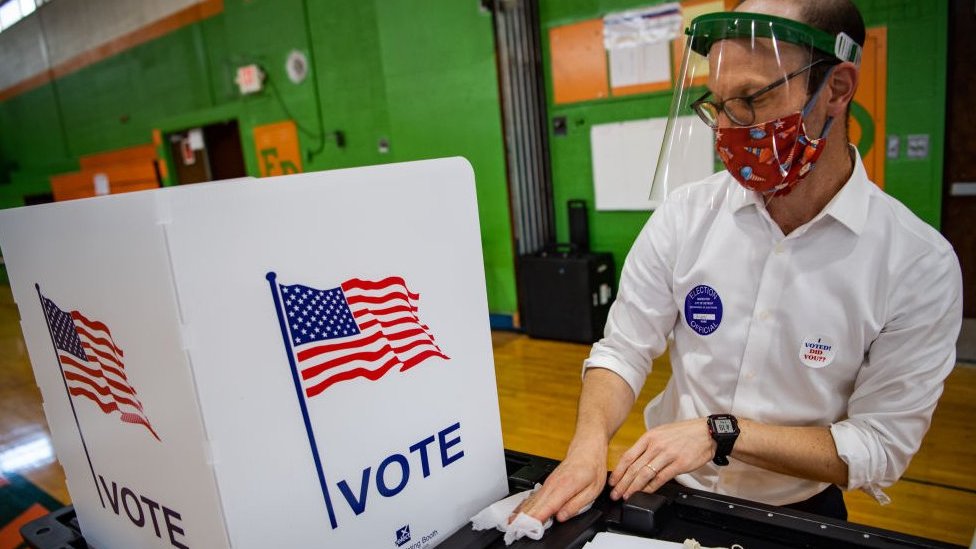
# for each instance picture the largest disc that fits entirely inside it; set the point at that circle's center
(864, 468)
(609, 362)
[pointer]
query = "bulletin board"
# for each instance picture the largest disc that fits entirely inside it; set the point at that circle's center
(579, 62)
(638, 46)
(691, 9)
(584, 69)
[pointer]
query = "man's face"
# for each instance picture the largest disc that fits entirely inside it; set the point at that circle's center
(740, 67)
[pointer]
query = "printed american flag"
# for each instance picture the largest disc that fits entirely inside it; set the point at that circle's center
(361, 329)
(92, 364)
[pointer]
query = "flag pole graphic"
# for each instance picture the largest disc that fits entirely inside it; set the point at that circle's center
(272, 276)
(71, 401)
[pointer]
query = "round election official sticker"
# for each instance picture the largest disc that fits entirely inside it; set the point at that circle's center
(816, 352)
(703, 309)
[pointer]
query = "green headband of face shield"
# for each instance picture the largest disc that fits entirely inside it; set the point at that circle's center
(707, 29)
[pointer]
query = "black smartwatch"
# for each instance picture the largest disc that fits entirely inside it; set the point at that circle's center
(724, 430)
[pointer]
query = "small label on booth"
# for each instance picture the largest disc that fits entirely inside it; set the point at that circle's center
(101, 184)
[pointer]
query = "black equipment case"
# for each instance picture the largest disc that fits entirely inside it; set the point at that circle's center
(565, 293)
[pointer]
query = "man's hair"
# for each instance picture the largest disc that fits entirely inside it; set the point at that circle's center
(832, 17)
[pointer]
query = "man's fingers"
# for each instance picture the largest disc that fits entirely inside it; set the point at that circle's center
(618, 473)
(662, 477)
(627, 481)
(518, 508)
(623, 474)
(642, 476)
(577, 502)
(544, 503)
(618, 480)
(626, 460)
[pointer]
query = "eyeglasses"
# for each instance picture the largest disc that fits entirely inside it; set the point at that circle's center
(739, 109)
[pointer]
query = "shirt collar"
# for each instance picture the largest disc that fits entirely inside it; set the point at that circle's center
(740, 197)
(849, 206)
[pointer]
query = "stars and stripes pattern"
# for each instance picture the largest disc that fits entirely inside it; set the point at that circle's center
(360, 329)
(92, 364)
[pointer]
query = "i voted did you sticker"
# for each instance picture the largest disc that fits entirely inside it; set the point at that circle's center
(816, 352)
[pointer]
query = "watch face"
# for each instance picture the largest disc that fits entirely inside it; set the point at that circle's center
(723, 426)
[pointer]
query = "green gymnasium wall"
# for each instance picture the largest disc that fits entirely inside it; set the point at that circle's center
(422, 74)
(915, 105)
(419, 73)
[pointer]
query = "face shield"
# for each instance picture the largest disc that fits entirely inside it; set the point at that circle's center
(742, 104)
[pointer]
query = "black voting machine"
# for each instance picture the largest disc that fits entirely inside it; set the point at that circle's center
(673, 513)
(565, 290)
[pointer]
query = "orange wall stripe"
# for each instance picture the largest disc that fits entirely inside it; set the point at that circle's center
(156, 29)
(26, 85)
(209, 8)
(137, 153)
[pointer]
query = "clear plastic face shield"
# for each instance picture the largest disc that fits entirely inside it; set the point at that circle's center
(744, 103)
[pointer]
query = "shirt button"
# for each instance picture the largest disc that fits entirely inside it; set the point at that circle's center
(764, 315)
(780, 248)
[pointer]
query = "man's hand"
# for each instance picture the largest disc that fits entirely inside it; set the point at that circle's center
(576, 482)
(661, 454)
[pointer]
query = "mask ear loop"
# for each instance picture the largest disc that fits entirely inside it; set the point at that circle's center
(813, 99)
(768, 195)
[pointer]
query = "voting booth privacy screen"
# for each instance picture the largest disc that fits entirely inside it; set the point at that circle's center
(300, 361)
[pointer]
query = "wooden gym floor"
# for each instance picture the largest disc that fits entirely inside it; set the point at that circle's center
(538, 383)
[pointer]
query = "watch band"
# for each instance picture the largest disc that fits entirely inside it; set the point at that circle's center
(723, 451)
(724, 429)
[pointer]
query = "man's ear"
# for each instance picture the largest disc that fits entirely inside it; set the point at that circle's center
(841, 87)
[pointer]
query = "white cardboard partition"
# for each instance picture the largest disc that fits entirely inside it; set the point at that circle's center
(301, 361)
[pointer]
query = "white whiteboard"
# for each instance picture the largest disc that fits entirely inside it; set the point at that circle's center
(625, 155)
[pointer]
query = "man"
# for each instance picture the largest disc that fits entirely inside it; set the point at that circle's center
(813, 317)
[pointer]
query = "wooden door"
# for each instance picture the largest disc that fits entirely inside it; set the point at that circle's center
(959, 193)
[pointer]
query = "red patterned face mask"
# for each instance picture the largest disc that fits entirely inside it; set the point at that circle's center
(771, 157)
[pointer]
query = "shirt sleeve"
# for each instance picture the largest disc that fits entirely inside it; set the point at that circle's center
(644, 312)
(897, 389)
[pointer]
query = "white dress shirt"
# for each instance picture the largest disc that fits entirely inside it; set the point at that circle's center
(850, 321)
